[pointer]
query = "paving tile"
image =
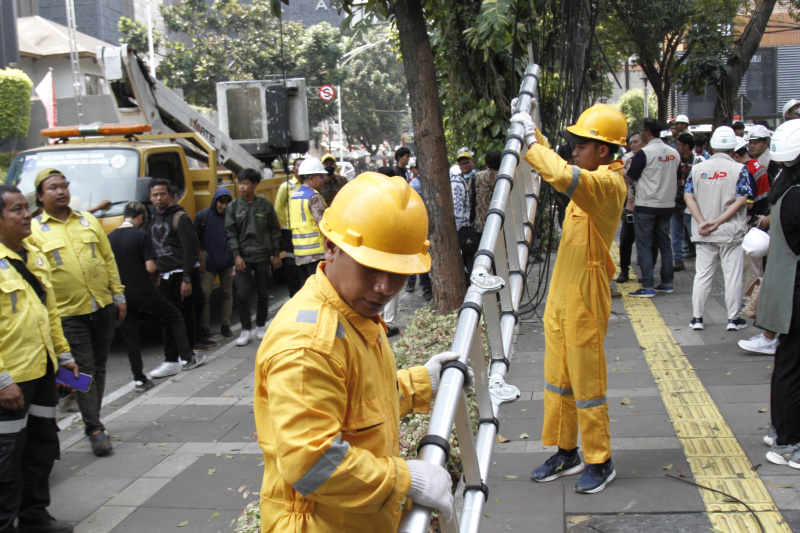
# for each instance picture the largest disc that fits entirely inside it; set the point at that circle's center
(722, 394)
(138, 492)
(173, 465)
(636, 495)
(200, 448)
(145, 413)
(129, 459)
(636, 523)
(193, 413)
(184, 432)
(78, 497)
(105, 519)
(164, 400)
(167, 519)
(211, 491)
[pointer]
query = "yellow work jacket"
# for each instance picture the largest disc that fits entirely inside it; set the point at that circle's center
(306, 237)
(285, 191)
(31, 330)
(590, 221)
(81, 260)
(328, 403)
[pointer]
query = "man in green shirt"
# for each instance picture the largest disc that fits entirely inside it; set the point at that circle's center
(254, 237)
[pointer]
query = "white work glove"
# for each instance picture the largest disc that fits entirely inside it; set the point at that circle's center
(434, 368)
(530, 128)
(431, 486)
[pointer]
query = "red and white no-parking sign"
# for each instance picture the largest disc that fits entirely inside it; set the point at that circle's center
(327, 93)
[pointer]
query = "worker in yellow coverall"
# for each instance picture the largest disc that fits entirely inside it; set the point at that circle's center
(329, 397)
(579, 300)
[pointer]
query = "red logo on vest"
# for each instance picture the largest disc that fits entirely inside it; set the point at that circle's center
(715, 175)
(666, 159)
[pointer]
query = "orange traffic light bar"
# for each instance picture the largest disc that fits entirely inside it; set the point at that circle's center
(95, 129)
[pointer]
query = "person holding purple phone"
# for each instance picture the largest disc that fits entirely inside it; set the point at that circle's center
(32, 348)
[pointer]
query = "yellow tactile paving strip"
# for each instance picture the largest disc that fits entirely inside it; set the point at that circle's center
(713, 452)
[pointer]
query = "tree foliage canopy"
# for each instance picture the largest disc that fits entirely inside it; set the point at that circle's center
(230, 41)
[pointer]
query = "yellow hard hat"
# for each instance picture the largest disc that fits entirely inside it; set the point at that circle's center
(381, 223)
(601, 122)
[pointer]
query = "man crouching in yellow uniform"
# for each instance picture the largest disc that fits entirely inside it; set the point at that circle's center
(579, 301)
(328, 396)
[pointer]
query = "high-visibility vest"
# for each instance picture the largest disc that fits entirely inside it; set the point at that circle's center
(306, 237)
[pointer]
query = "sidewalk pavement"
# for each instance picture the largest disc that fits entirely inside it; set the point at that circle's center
(185, 455)
(645, 444)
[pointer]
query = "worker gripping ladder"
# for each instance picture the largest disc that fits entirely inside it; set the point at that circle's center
(505, 244)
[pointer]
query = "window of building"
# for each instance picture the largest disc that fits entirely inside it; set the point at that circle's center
(95, 84)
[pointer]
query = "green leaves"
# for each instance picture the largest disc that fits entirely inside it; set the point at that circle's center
(15, 103)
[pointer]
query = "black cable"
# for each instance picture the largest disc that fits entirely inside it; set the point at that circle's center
(734, 498)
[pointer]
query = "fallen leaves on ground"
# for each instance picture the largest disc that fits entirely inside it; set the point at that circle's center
(778, 485)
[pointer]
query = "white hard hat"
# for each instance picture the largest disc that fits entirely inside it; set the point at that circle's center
(788, 105)
(723, 139)
(759, 132)
(455, 170)
(682, 118)
(310, 166)
(741, 142)
(412, 162)
(785, 144)
(756, 243)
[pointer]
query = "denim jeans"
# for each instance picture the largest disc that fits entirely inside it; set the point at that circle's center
(653, 230)
(676, 227)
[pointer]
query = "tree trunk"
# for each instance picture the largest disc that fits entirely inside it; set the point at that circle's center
(426, 115)
(739, 61)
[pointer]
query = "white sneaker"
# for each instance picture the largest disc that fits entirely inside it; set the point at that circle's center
(244, 338)
(261, 331)
(760, 344)
(166, 369)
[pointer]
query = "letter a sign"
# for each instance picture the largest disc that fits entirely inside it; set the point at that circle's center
(327, 93)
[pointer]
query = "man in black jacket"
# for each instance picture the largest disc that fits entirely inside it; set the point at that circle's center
(136, 260)
(176, 246)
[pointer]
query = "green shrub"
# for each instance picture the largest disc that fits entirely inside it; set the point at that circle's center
(15, 103)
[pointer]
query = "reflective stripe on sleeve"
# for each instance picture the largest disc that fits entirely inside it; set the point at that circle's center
(558, 390)
(310, 317)
(304, 235)
(13, 426)
(576, 177)
(57, 257)
(588, 404)
(42, 411)
(323, 469)
(13, 297)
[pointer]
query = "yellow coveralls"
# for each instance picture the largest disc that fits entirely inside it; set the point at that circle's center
(579, 304)
(328, 401)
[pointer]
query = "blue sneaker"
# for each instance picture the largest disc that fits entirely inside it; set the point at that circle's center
(596, 477)
(665, 288)
(643, 293)
(558, 465)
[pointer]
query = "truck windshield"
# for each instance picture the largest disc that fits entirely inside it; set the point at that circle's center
(94, 174)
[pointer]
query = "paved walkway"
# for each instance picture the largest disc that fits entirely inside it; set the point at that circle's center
(185, 456)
